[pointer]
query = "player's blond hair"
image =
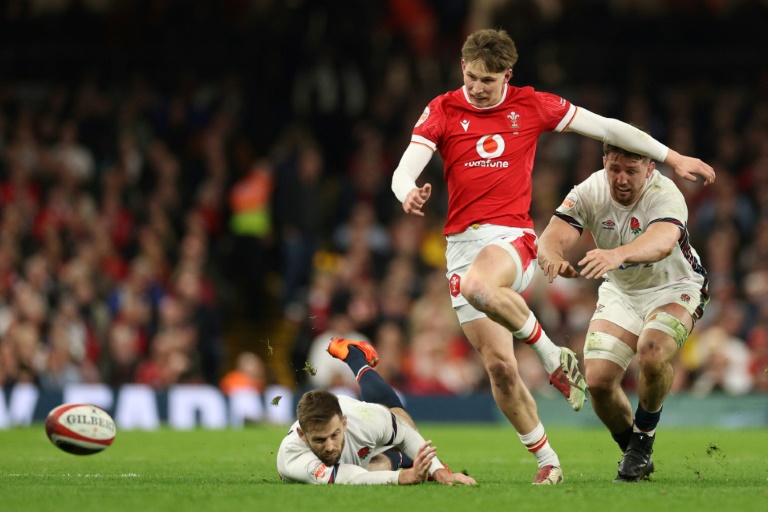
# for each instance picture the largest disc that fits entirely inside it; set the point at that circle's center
(493, 48)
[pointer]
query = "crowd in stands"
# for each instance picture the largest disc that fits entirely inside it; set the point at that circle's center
(160, 170)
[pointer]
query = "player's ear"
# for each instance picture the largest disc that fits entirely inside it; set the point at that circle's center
(301, 434)
(463, 65)
(508, 75)
(604, 161)
(344, 421)
(651, 167)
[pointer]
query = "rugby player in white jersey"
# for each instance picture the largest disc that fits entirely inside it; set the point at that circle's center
(486, 133)
(654, 289)
(340, 440)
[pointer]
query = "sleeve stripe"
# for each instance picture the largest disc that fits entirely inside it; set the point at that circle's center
(334, 473)
(672, 221)
(567, 119)
(394, 430)
(425, 141)
(570, 220)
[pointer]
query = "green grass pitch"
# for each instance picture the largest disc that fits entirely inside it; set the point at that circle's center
(234, 470)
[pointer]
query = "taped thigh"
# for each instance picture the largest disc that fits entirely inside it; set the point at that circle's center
(600, 345)
(670, 325)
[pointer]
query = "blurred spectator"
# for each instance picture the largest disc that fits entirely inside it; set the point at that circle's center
(251, 223)
(121, 356)
(324, 371)
(725, 364)
(300, 220)
(249, 374)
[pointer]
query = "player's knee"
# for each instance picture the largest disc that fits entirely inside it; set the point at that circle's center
(477, 292)
(599, 384)
(502, 373)
(653, 357)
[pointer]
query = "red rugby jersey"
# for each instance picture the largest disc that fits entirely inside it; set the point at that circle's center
(488, 152)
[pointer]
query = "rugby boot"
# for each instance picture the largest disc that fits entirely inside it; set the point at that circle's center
(569, 380)
(339, 348)
(548, 475)
(636, 462)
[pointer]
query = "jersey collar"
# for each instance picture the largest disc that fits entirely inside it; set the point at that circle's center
(503, 97)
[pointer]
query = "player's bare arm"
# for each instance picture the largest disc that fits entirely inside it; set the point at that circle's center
(654, 245)
(420, 470)
(688, 167)
(557, 238)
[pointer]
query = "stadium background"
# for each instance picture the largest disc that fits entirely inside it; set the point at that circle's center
(197, 192)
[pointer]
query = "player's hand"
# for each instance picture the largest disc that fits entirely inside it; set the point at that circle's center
(552, 269)
(599, 261)
(688, 167)
(415, 200)
(420, 470)
(444, 476)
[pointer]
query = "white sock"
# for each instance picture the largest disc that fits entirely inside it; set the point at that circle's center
(534, 336)
(538, 444)
(650, 433)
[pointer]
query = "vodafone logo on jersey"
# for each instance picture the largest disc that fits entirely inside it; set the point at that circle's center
(489, 147)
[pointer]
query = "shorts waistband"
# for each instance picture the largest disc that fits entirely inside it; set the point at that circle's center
(483, 231)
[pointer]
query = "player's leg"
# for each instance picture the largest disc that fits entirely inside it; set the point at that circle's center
(608, 350)
(494, 343)
(492, 284)
(663, 334)
(361, 357)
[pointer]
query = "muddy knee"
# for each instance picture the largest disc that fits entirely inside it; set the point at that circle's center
(502, 373)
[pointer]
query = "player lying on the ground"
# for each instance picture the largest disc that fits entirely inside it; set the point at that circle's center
(341, 440)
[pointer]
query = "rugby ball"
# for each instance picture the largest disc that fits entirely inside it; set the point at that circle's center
(81, 429)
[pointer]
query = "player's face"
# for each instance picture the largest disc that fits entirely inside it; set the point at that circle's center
(327, 442)
(627, 176)
(485, 89)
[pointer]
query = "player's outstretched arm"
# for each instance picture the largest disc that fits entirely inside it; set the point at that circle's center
(558, 237)
(623, 135)
(654, 245)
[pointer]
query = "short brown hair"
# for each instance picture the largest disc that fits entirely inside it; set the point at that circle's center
(610, 148)
(494, 48)
(317, 408)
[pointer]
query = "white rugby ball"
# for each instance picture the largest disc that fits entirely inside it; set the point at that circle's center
(81, 429)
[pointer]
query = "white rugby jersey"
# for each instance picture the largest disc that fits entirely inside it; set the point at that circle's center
(590, 205)
(371, 430)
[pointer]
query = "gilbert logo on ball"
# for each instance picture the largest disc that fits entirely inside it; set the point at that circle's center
(81, 429)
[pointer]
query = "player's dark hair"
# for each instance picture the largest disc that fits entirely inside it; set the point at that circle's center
(494, 48)
(316, 408)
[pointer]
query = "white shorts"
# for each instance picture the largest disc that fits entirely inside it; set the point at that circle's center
(464, 247)
(630, 311)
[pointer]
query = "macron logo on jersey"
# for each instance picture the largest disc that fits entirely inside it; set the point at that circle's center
(464, 124)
